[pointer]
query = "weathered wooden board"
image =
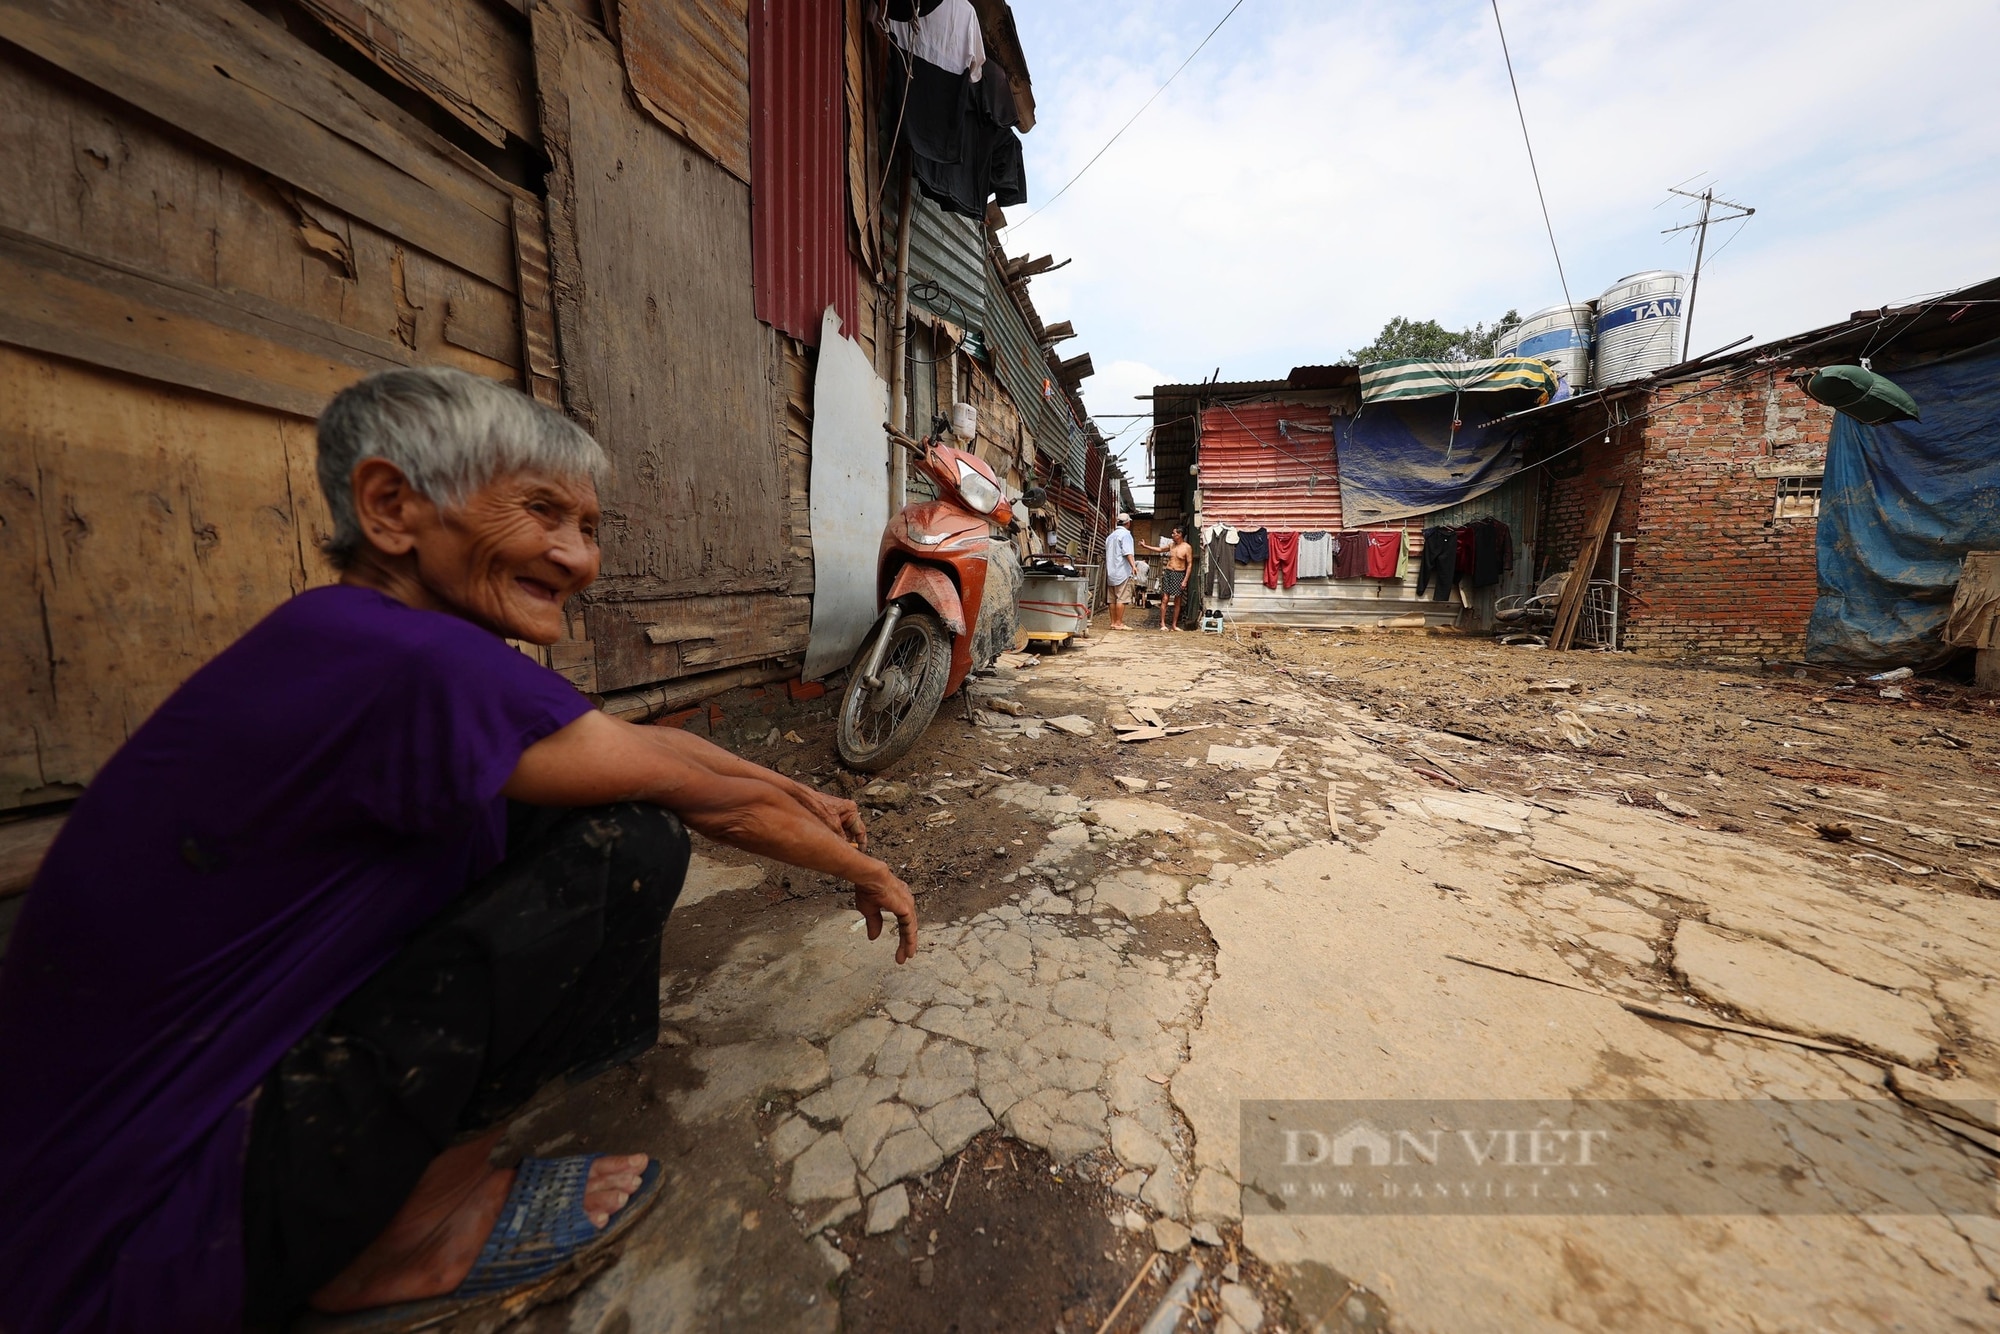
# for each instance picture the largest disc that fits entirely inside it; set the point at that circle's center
(221, 72)
(689, 63)
(131, 247)
(462, 54)
(142, 529)
(863, 172)
(538, 311)
(798, 418)
(656, 639)
(663, 359)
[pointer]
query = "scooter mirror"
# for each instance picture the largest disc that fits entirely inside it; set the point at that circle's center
(1034, 498)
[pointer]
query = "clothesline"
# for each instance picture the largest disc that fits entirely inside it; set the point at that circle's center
(1479, 552)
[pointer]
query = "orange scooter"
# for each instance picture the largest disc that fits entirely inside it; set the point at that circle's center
(943, 610)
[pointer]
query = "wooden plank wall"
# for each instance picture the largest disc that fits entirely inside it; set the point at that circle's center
(207, 230)
(216, 215)
(665, 362)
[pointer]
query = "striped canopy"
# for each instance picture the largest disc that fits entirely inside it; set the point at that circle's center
(1413, 377)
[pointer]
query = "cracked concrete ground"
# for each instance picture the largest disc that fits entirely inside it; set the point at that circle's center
(1125, 941)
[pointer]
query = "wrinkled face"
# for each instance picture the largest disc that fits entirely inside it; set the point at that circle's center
(518, 548)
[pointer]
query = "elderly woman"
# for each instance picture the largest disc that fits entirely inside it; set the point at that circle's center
(354, 892)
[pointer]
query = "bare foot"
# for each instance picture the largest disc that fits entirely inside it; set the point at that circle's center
(430, 1245)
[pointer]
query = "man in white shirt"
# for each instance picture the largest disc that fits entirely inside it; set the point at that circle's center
(1119, 571)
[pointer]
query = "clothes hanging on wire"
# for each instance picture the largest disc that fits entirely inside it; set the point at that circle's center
(1406, 558)
(1219, 579)
(1385, 549)
(947, 34)
(1492, 551)
(1281, 565)
(1253, 546)
(1438, 567)
(1351, 561)
(1315, 555)
(963, 149)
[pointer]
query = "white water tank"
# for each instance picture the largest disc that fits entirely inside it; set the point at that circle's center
(1561, 336)
(1509, 340)
(1639, 325)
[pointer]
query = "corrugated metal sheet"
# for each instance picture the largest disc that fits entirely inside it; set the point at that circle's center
(947, 264)
(798, 186)
(1253, 475)
(1513, 503)
(689, 63)
(1018, 360)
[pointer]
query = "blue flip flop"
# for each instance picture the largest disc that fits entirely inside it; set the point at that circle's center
(541, 1247)
(542, 1226)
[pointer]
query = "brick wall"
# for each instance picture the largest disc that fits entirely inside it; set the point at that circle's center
(1575, 479)
(1713, 570)
(752, 720)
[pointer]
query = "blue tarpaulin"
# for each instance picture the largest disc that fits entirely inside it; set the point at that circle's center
(1900, 506)
(1400, 459)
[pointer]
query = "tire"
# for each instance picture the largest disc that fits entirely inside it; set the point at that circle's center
(913, 677)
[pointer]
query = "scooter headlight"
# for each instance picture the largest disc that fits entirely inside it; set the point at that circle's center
(983, 496)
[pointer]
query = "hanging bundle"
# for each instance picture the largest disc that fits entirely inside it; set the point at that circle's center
(1862, 394)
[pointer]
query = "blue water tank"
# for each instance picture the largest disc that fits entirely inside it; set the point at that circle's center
(1561, 336)
(1639, 325)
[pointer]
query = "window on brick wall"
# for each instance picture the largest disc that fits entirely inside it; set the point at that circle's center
(1798, 498)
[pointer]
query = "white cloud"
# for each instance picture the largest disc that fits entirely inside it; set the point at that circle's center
(1322, 167)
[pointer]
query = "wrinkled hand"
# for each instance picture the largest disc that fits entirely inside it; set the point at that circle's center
(887, 894)
(838, 814)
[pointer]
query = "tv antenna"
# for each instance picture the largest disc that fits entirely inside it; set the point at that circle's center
(1710, 201)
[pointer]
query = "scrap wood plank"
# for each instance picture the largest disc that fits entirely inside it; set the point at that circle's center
(237, 81)
(1671, 1013)
(1569, 608)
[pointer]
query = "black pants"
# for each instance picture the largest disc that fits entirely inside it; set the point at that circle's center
(548, 965)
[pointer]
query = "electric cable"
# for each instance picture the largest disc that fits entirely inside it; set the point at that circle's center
(1532, 168)
(1128, 124)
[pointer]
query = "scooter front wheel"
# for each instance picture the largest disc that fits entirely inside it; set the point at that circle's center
(879, 726)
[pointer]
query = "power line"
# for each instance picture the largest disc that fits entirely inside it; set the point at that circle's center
(1128, 124)
(1532, 168)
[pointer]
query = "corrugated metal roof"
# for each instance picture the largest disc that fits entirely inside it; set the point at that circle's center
(798, 187)
(1255, 475)
(947, 263)
(689, 63)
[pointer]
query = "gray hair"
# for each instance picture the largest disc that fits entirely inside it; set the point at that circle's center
(450, 432)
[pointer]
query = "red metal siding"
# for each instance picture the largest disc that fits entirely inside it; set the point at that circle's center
(798, 166)
(1254, 477)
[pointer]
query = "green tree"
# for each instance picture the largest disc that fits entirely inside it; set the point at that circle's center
(1402, 337)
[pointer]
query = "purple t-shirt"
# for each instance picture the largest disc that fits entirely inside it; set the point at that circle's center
(258, 848)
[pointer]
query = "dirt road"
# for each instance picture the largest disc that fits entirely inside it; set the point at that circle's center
(1411, 871)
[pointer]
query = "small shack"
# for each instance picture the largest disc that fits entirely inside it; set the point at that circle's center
(1314, 500)
(1734, 520)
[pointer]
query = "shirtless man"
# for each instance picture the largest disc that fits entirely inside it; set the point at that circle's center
(1180, 559)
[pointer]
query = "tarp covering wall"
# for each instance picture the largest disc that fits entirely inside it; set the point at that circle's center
(1414, 377)
(1399, 459)
(1900, 506)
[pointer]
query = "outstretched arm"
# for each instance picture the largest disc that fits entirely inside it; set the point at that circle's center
(598, 759)
(838, 814)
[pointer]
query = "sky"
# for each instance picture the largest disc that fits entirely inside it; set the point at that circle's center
(1324, 165)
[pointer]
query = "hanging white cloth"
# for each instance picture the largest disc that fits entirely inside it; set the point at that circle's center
(948, 37)
(1315, 556)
